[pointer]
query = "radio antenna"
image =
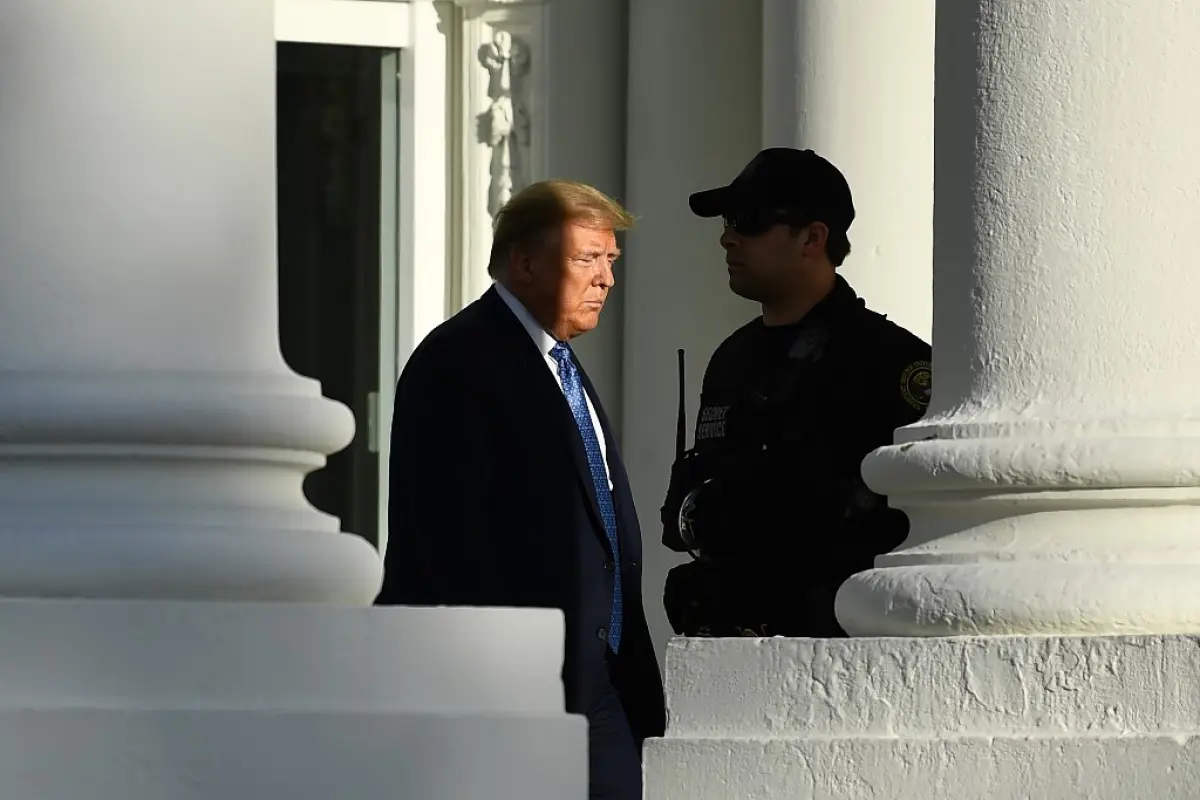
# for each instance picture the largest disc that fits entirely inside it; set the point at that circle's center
(681, 418)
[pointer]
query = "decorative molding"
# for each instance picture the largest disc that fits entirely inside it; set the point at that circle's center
(501, 101)
(504, 125)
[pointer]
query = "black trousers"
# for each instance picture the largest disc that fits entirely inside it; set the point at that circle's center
(614, 760)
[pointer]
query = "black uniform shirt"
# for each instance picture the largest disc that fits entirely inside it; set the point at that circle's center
(787, 415)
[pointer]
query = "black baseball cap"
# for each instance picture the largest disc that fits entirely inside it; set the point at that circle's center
(783, 178)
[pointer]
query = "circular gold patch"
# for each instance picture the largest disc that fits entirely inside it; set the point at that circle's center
(916, 384)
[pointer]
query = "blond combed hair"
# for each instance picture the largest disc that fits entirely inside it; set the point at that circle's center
(544, 207)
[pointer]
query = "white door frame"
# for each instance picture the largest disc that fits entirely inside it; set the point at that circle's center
(377, 23)
(382, 24)
(446, 178)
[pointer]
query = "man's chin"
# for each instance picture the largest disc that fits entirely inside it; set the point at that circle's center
(744, 289)
(587, 319)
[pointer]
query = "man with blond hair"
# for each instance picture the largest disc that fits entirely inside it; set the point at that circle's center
(506, 485)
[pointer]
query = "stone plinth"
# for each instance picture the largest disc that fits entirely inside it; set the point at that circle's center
(133, 700)
(968, 718)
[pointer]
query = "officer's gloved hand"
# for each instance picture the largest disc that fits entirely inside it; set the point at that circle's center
(705, 519)
(686, 475)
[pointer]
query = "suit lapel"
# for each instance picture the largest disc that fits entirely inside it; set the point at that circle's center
(546, 400)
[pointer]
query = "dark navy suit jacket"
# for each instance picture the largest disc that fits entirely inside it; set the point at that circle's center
(492, 504)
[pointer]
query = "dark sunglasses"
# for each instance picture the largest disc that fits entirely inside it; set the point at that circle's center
(756, 223)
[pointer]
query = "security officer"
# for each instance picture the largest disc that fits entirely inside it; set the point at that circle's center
(770, 500)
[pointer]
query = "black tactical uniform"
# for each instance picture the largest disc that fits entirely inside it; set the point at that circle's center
(771, 498)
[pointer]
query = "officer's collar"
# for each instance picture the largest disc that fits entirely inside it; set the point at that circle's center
(806, 338)
(841, 296)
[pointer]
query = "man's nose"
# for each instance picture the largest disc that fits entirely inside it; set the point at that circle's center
(728, 239)
(605, 276)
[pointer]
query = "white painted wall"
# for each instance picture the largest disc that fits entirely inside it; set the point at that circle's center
(694, 121)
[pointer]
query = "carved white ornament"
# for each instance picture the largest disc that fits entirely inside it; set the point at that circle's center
(500, 104)
(505, 126)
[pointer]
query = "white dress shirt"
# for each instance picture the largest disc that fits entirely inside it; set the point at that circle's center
(545, 343)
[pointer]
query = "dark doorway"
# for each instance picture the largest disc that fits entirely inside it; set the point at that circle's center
(330, 167)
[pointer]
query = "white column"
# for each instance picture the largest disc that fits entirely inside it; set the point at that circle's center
(1052, 487)
(853, 81)
(421, 290)
(154, 441)
(502, 120)
(152, 447)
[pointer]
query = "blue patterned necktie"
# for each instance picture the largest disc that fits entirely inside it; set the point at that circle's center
(572, 388)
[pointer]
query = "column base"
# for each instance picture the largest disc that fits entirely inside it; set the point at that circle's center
(987, 718)
(140, 700)
(1021, 530)
(182, 486)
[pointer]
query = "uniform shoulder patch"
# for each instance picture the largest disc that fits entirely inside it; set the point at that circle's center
(710, 423)
(916, 384)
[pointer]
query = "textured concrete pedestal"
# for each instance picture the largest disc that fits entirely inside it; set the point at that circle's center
(978, 718)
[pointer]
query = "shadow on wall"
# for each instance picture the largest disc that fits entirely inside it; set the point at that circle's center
(588, 144)
(693, 122)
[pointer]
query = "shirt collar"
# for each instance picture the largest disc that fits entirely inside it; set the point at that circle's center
(544, 341)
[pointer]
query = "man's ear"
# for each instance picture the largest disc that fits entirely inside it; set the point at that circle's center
(817, 236)
(520, 264)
